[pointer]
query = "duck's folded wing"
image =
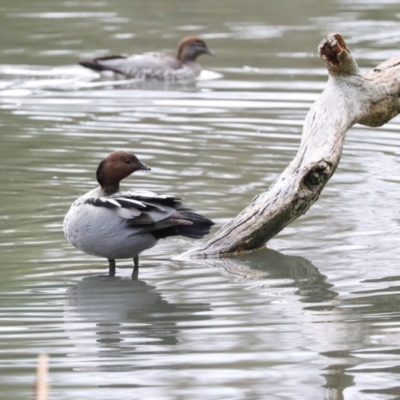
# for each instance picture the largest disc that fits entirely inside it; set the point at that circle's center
(135, 65)
(141, 208)
(144, 211)
(146, 195)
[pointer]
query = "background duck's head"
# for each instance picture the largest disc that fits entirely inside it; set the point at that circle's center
(191, 47)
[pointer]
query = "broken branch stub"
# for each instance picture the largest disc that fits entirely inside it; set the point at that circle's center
(350, 97)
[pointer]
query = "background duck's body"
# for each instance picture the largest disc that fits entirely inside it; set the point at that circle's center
(157, 66)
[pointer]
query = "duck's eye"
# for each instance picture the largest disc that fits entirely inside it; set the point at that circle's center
(128, 161)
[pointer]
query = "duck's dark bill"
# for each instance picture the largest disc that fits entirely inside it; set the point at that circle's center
(143, 166)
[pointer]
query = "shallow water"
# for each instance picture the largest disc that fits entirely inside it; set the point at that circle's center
(314, 316)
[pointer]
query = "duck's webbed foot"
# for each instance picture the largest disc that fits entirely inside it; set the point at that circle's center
(135, 272)
(111, 267)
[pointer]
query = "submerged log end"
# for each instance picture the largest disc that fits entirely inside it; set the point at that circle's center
(337, 56)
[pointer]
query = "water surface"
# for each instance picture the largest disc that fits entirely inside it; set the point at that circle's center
(314, 316)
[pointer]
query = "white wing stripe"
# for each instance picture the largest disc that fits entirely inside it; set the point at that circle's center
(112, 201)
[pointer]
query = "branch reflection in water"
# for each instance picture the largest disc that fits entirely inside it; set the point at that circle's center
(267, 268)
(341, 327)
(275, 269)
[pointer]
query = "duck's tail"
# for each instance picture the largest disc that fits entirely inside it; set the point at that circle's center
(186, 222)
(96, 64)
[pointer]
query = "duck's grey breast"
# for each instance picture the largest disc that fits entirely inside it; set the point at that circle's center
(100, 232)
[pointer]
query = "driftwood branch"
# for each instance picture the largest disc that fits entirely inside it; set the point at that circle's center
(350, 97)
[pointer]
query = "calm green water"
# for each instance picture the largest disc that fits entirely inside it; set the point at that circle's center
(314, 316)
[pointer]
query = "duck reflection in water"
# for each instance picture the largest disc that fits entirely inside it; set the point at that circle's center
(122, 314)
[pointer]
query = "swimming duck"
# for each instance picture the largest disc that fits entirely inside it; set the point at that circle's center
(158, 66)
(112, 224)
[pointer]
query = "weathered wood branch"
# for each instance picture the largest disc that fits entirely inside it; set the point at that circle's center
(350, 97)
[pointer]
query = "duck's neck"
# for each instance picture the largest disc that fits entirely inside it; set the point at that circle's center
(186, 54)
(194, 66)
(108, 190)
(108, 182)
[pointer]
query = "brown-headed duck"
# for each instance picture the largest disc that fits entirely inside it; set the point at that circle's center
(115, 225)
(157, 66)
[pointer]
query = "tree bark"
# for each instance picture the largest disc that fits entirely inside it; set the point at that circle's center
(350, 97)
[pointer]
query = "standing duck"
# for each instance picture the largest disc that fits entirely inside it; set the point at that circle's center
(157, 66)
(112, 224)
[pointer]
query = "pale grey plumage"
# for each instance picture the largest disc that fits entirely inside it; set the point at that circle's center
(116, 225)
(156, 66)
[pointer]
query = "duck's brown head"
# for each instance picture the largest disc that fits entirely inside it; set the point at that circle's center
(191, 47)
(115, 167)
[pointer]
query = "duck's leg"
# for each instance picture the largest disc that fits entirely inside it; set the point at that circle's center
(135, 272)
(111, 267)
